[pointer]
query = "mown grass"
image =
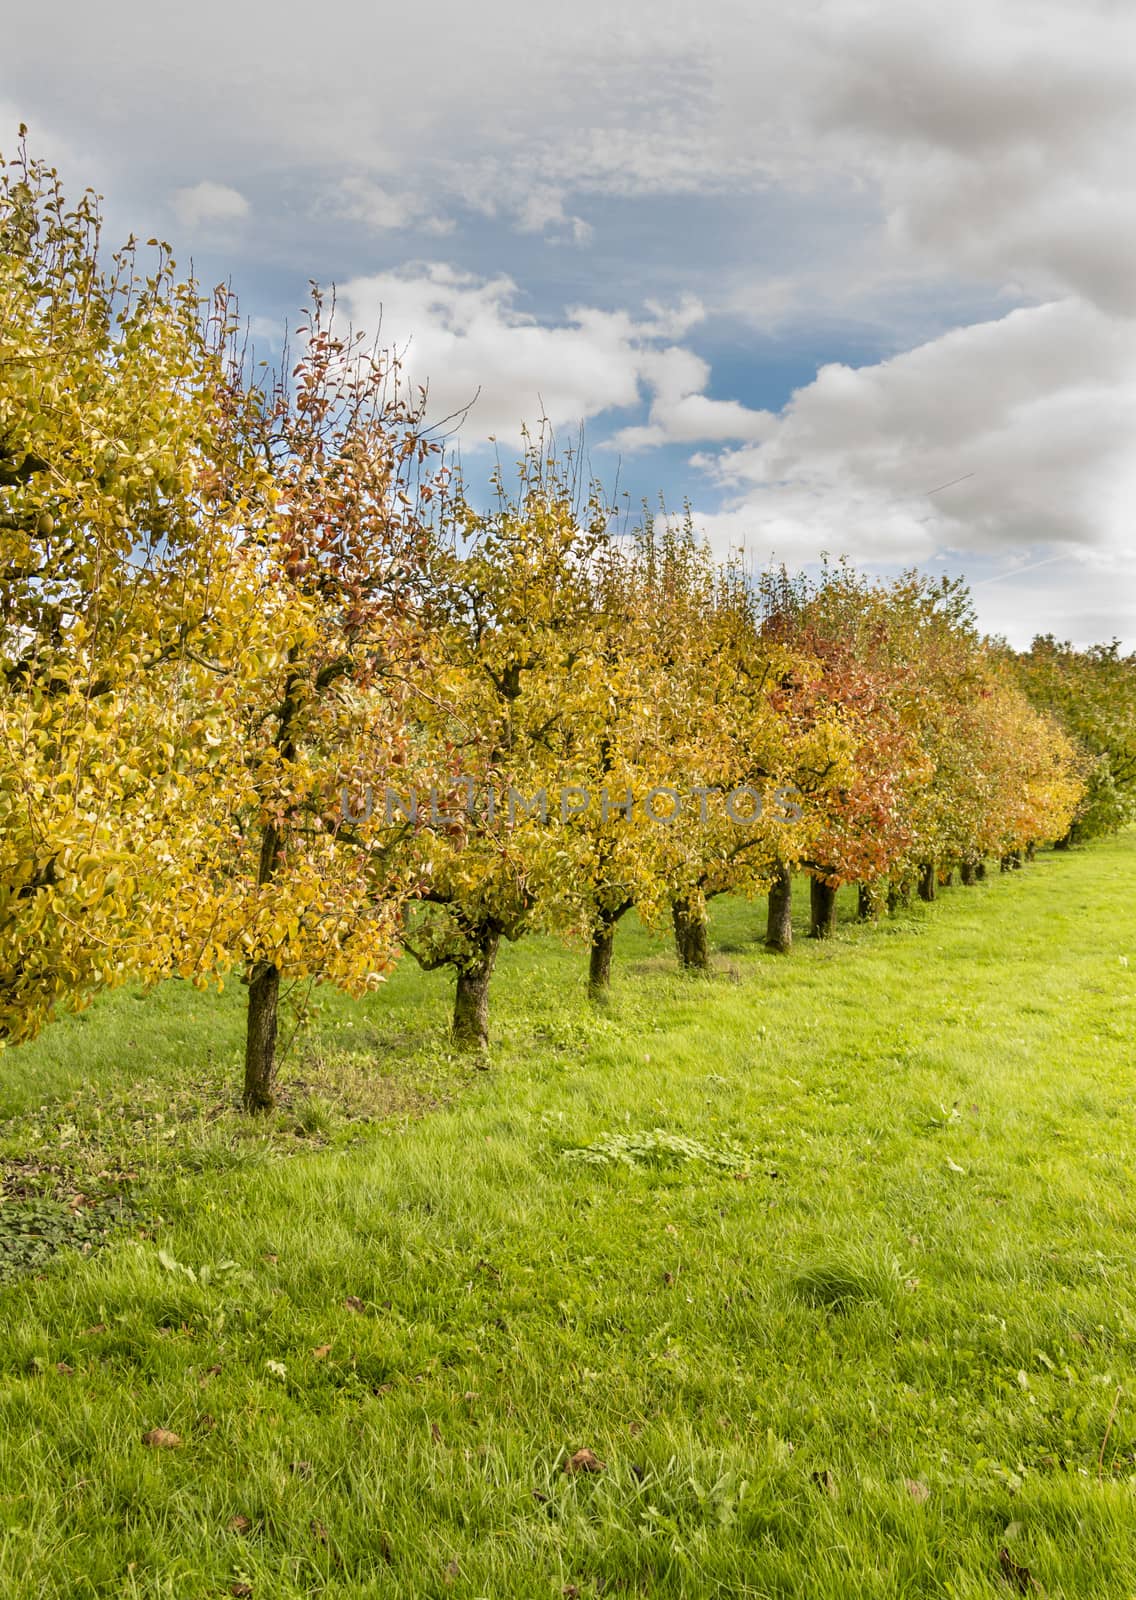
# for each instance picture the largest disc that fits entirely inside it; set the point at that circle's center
(828, 1260)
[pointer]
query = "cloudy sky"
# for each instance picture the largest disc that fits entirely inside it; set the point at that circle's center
(851, 278)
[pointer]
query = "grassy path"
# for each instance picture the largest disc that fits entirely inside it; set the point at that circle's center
(829, 1261)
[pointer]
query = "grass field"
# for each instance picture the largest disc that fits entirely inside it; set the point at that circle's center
(828, 1260)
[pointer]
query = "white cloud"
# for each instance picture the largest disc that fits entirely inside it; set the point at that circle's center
(471, 341)
(207, 203)
(1007, 435)
(381, 209)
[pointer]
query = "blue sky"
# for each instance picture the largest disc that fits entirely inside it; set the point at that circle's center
(856, 278)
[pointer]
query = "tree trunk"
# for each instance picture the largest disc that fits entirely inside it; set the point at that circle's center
(927, 881)
(264, 976)
(1031, 850)
(893, 899)
(599, 963)
(980, 871)
(1064, 843)
(471, 1001)
(1011, 862)
(779, 922)
(260, 1037)
(867, 903)
(822, 903)
(692, 945)
(968, 873)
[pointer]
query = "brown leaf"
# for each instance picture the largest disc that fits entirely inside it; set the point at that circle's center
(436, 1434)
(353, 1303)
(97, 1327)
(321, 1350)
(302, 1469)
(826, 1481)
(61, 1366)
(239, 1524)
(1021, 1577)
(243, 1591)
(450, 1571)
(205, 1422)
(584, 1461)
(268, 1256)
(161, 1439)
(918, 1491)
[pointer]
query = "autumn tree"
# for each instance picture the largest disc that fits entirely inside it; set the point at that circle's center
(1092, 694)
(518, 664)
(318, 681)
(122, 476)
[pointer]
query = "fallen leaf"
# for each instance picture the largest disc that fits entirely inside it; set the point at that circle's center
(321, 1350)
(318, 1530)
(61, 1366)
(353, 1303)
(450, 1571)
(268, 1256)
(205, 1423)
(239, 1524)
(302, 1469)
(436, 1434)
(97, 1327)
(825, 1480)
(161, 1439)
(584, 1461)
(954, 1166)
(243, 1591)
(918, 1491)
(1021, 1577)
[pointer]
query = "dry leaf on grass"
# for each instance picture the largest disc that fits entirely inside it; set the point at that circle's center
(826, 1481)
(918, 1491)
(584, 1461)
(161, 1439)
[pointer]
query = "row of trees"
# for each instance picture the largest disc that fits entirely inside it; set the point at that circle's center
(278, 696)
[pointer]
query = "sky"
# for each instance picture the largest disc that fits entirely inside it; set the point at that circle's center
(856, 279)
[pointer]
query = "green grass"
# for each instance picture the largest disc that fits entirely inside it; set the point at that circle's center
(828, 1259)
